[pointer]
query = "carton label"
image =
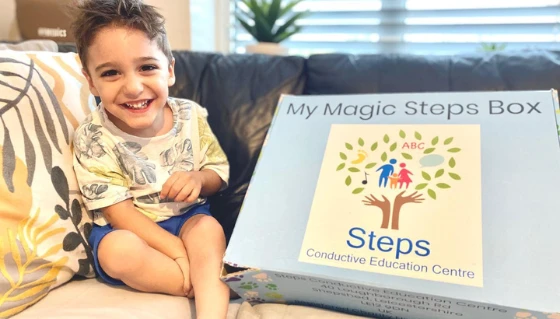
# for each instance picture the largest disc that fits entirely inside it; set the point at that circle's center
(401, 200)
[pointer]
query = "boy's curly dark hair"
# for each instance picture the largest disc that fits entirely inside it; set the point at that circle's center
(93, 15)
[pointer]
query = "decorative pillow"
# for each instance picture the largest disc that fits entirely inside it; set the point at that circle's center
(43, 223)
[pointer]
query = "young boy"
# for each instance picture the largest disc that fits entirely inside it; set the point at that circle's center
(145, 162)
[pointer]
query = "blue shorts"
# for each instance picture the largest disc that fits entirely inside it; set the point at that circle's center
(173, 225)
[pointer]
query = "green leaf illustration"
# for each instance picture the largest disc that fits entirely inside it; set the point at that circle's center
(341, 166)
(435, 140)
(439, 173)
(431, 193)
(360, 142)
(386, 138)
(343, 156)
(454, 150)
(407, 156)
(353, 169)
(402, 134)
(455, 176)
(348, 181)
(393, 147)
(371, 165)
(426, 176)
(357, 190)
(452, 162)
(429, 150)
(384, 157)
(349, 146)
(443, 185)
(418, 136)
(374, 146)
(448, 141)
(421, 186)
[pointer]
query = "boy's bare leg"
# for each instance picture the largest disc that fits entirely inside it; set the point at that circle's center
(205, 242)
(125, 256)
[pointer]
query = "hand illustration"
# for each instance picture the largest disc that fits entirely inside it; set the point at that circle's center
(384, 205)
(400, 200)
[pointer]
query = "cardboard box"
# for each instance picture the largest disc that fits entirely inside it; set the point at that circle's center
(433, 205)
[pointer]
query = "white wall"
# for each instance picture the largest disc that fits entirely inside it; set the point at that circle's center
(176, 13)
(8, 25)
(178, 26)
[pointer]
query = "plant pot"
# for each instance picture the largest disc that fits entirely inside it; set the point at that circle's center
(266, 48)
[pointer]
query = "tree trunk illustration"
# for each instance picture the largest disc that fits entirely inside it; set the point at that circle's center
(384, 205)
(400, 200)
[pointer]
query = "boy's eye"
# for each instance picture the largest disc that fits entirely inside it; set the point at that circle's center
(109, 73)
(148, 67)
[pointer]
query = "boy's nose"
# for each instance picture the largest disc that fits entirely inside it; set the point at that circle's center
(133, 86)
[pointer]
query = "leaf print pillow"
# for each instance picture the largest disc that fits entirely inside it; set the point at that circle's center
(43, 223)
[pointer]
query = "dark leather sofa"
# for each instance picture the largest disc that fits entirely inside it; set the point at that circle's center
(241, 92)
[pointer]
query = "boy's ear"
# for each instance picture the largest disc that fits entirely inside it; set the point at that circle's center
(92, 88)
(171, 70)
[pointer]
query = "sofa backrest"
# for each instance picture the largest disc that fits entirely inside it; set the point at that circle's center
(390, 73)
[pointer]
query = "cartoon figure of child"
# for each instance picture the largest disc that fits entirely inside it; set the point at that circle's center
(403, 176)
(394, 180)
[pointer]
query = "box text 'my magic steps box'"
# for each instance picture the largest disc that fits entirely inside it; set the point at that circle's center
(432, 205)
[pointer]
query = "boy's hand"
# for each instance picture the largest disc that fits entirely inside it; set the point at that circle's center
(183, 263)
(183, 186)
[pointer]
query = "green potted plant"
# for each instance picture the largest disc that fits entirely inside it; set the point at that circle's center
(492, 47)
(262, 22)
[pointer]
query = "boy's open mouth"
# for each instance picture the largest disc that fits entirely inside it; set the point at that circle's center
(138, 105)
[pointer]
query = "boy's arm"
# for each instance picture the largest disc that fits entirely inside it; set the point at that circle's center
(213, 176)
(124, 215)
(211, 182)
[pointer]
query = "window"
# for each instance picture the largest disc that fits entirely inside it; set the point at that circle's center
(419, 26)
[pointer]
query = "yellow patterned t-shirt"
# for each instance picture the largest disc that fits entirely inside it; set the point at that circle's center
(112, 166)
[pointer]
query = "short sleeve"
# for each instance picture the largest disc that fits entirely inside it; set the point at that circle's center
(100, 178)
(212, 156)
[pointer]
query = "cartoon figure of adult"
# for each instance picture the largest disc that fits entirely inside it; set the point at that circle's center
(403, 176)
(386, 171)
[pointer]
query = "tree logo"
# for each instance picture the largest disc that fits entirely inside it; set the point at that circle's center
(381, 166)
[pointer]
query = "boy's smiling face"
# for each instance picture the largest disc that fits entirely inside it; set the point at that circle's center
(132, 76)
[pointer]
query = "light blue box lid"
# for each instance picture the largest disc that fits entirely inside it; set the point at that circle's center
(519, 171)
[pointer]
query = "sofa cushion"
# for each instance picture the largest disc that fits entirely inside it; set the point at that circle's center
(43, 97)
(281, 311)
(241, 93)
(92, 299)
(391, 73)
